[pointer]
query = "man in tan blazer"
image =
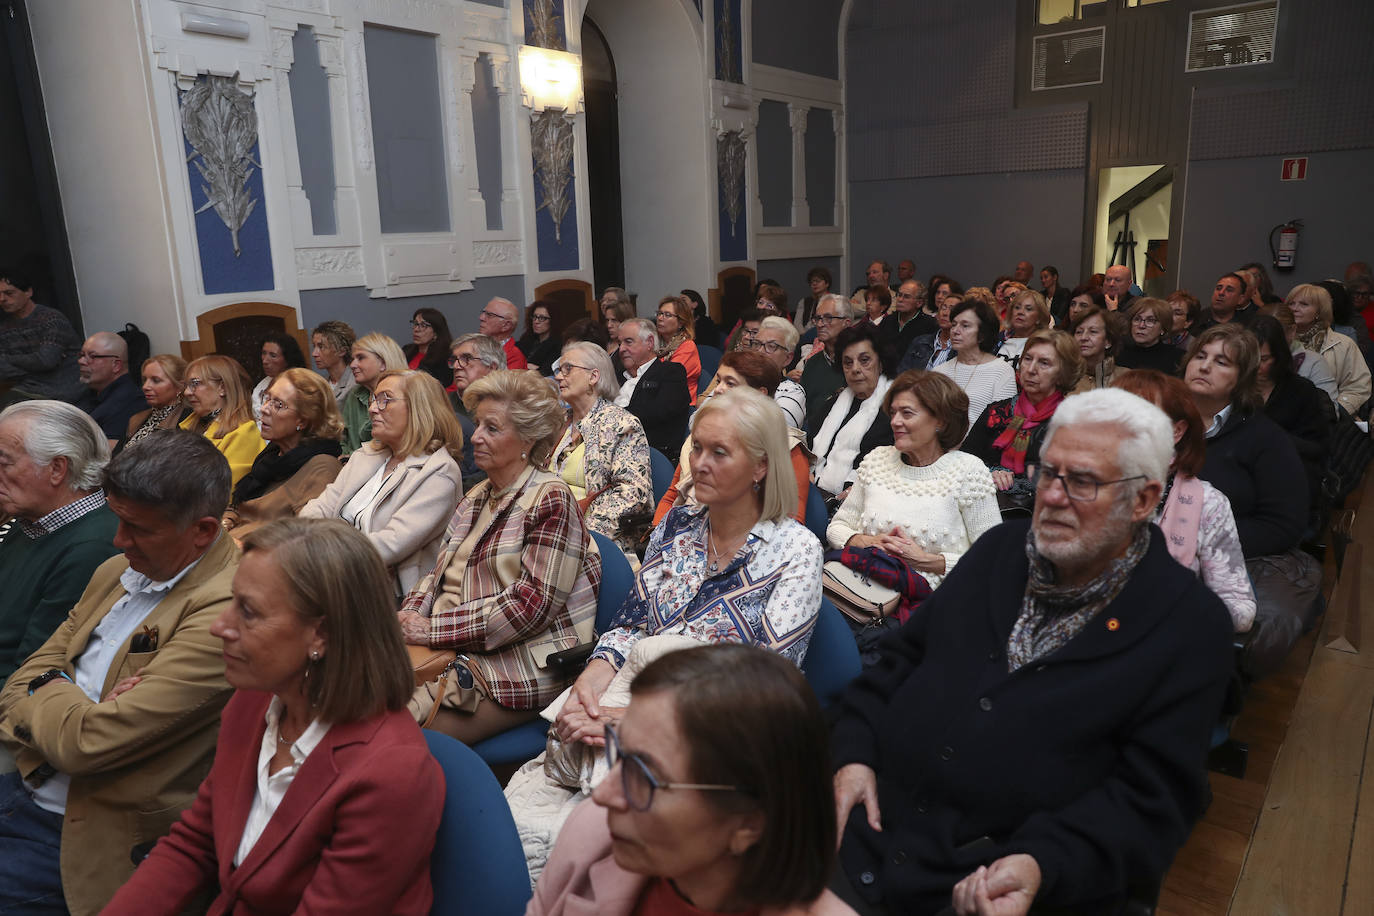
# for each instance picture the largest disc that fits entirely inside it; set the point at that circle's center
(113, 721)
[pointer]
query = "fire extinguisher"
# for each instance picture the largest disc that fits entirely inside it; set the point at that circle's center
(1286, 254)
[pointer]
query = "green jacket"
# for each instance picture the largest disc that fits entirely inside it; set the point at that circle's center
(357, 421)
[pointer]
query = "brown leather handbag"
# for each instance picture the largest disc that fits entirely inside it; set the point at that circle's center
(431, 665)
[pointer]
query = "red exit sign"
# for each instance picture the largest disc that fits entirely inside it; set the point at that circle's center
(1295, 169)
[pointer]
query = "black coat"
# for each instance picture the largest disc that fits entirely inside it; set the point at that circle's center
(661, 402)
(878, 433)
(1307, 415)
(1254, 463)
(1161, 357)
(898, 340)
(1092, 760)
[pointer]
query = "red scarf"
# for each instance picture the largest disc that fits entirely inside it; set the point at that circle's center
(1015, 439)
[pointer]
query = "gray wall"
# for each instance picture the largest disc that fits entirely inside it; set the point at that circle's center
(1233, 203)
(971, 227)
(798, 35)
(392, 316)
(791, 273)
(314, 139)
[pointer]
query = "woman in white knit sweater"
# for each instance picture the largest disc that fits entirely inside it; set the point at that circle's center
(920, 500)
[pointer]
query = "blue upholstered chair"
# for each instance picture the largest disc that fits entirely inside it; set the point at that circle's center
(661, 470)
(832, 657)
(710, 361)
(478, 865)
(817, 519)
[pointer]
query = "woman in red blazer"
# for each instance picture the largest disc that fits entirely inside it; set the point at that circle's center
(323, 796)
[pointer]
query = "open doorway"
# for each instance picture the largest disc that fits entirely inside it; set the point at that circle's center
(1132, 223)
(603, 158)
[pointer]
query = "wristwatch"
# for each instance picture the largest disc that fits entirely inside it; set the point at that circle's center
(49, 675)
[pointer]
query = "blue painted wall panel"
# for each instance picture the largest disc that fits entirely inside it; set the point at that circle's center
(221, 271)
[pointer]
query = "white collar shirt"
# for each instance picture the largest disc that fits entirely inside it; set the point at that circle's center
(627, 390)
(271, 787)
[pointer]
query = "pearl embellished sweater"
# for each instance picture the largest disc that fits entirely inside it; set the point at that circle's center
(944, 507)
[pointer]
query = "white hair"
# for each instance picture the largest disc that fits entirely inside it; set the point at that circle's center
(647, 331)
(1146, 445)
(843, 307)
(54, 429)
(600, 361)
(789, 333)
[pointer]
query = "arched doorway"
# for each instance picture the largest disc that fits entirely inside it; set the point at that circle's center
(603, 158)
(664, 152)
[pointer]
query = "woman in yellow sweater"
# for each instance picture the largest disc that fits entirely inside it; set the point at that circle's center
(217, 392)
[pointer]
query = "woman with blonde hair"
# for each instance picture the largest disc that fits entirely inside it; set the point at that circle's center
(513, 582)
(373, 354)
(217, 391)
(603, 455)
(301, 423)
(164, 376)
(401, 487)
(676, 325)
(1312, 315)
(1027, 313)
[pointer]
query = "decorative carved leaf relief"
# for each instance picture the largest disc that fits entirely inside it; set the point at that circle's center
(551, 137)
(730, 165)
(545, 21)
(221, 125)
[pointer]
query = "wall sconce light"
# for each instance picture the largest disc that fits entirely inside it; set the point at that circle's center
(214, 25)
(550, 79)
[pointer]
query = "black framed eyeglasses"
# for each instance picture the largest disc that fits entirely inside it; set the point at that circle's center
(565, 369)
(638, 783)
(463, 359)
(417, 323)
(1079, 487)
(768, 346)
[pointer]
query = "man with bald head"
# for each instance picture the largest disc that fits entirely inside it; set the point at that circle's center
(498, 321)
(113, 396)
(1023, 272)
(1116, 288)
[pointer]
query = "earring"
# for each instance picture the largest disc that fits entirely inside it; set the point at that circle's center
(314, 655)
(299, 427)
(523, 456)
(758, 485)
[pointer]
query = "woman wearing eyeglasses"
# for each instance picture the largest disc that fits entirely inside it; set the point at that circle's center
(539, 344)
(1151, 320)
(373, 354)
(400, 488)
(217, 391)
(717, 798)
(429, 343)
(603, 455)
(674, 323)
(302, 426)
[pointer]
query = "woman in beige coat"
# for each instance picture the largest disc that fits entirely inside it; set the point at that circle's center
(1311, 307)
(400, 489)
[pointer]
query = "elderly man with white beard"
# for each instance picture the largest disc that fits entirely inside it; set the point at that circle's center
(1037, 732)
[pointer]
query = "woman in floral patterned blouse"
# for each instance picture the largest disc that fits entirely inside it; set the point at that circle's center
(737, 568)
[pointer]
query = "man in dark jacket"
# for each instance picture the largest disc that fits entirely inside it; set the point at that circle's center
(655, 390)
(1037, 732)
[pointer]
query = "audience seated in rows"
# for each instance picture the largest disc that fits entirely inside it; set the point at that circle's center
(1008, 434)
(278, 353)
(38, 345)
(602, 453)
(217, 390)
(373, 355)
(777, 341)
(472, 356)
(1195, 516)
(674, 323)
(850, 424)
(301, 424)
(321, 681)
(1312, 315)
(400, 488)
(920, 500)
(112, 722)
(716, 800)
(51, 459)
(1037, 732)
(1145, 347)
(1254, 464)
(516, 575)
(821, 375)
(164, 383)
(331, 347)
(655, 389)
(975, 367)
(750, 369)
(112, 396)
(429, 345)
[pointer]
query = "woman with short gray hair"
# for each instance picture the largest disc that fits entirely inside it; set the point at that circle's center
(603, 454)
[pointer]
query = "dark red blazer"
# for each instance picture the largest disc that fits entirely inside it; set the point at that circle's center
(353, 833)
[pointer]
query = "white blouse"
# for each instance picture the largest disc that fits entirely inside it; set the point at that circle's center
(944, 507)
(271, 787)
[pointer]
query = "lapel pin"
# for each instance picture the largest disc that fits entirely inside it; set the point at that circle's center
(1113, 624)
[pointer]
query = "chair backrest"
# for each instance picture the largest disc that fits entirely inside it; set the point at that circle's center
(817, 519)
(616, 581)
(661, 470)
(710, 361)
(478, 864)
(832, 657)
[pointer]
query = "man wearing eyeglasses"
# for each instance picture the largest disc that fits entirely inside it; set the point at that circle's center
(820, 375)
(38, 345)
(498, 321)
(655, 390)
(1037, 733)
(471, 356)
(907, 320)
(113, 396)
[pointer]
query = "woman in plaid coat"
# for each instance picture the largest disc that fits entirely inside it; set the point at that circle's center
(517, 577)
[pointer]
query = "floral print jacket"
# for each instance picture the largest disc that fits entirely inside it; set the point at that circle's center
(615, 464)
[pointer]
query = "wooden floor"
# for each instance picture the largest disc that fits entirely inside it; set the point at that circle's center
(1296, 835)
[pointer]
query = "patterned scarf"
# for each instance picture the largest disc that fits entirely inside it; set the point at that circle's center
(1313, 338)
(1015, 439)
(1051, 615)
(671, 344)
(154, 422)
